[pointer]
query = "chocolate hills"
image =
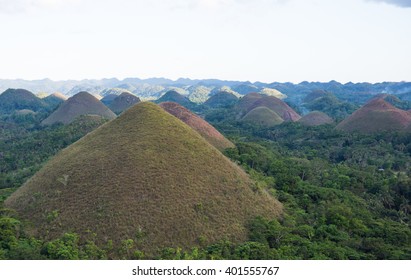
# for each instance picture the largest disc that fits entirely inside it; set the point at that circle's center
(83, 103)
(174, 96)
(123, 102)
(244, 104)
(20, 99)
(278, 106)
(315, 118)
(221, 99)
(262, 116)
(145, 173)
(376, 115)
(206, 130)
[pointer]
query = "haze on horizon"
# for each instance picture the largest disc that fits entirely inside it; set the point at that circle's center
(259, 40)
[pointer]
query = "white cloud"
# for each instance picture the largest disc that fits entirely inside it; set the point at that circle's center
(400, 3)
(19, 6)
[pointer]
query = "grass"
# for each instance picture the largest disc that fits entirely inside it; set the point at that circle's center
(145, 171)
(376, 116)
(206, 130)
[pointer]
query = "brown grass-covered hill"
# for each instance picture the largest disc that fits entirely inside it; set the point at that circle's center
(83, 103)
(278, 106)
(19, 99)
(145, 173)
(376, 115)
(221, 99)
(205, 129)
(108, 99)
(122, 102)
(174, 96)
(315, 118)
(262, 116)
(244, 104)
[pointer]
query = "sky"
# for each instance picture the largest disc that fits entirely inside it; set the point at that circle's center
(246, 40)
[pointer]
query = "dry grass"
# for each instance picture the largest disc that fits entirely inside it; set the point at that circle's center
(82, 103)
(206, 130)
(145, 171)
(376, 115)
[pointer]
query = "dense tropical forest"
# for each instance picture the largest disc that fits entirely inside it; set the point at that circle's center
(345, 195)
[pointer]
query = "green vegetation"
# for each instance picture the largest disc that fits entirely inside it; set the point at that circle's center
(344, 195)
(144, 171)
(25, 145)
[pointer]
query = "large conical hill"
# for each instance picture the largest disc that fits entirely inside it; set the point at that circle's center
(377, 115)
(82, 103)
(205, 129)
(145, 173)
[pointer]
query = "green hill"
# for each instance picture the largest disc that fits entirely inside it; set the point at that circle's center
(123, 102)
(221, 99)
(55, 99)
(174, 96)
(278, 106)
(206, 130)
(145, 176)
(263, 116)
(82, 103)
(19, 99)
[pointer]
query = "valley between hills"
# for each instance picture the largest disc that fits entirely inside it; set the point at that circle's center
(204, 169)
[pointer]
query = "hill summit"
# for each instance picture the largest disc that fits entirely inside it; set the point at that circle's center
(221, 99)
(277, 105)
(145, 173)
(122, 102)
(376, 115)
(205, 129)
(83, 103)
(262, 116)
(19, 99)
(174, 96)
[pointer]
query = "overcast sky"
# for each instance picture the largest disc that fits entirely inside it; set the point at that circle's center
(255, 40)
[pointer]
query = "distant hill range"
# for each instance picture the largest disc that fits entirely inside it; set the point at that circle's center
(145, 176)
(199, 91)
